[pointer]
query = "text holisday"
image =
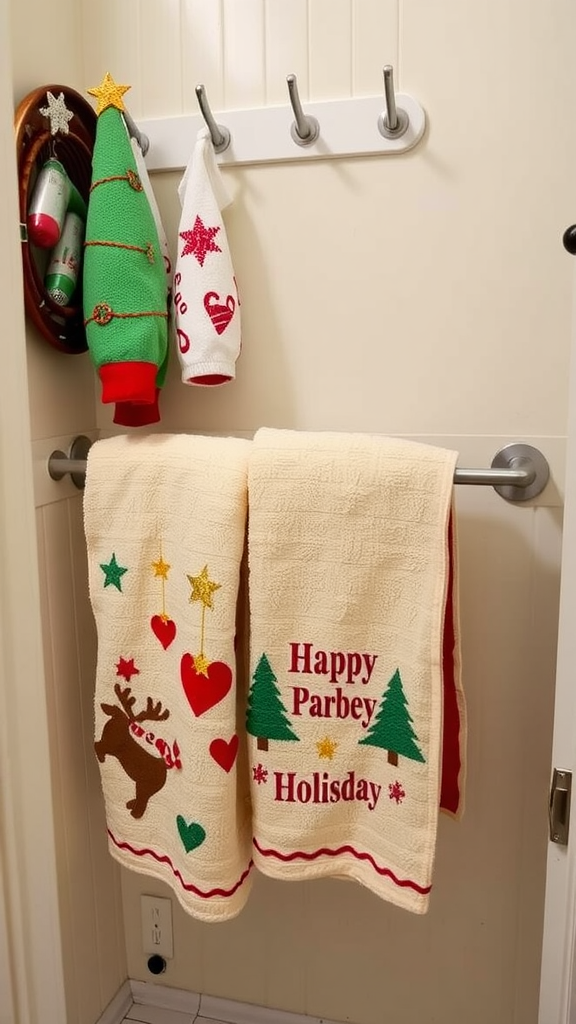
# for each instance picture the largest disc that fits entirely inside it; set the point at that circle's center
(336, 667)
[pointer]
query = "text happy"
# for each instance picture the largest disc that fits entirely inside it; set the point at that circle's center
(339, 666)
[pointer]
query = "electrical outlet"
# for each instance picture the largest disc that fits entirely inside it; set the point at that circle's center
(157, 926)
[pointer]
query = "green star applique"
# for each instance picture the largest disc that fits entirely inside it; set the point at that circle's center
(113, 573)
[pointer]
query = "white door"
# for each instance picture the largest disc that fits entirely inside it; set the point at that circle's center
(558, 978)
(7, 1005)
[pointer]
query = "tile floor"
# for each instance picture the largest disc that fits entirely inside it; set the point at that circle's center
(140, 1014)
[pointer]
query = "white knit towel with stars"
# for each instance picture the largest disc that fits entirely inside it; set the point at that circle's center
(206, 306)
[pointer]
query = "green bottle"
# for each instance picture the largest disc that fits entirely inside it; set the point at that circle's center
(62, 273)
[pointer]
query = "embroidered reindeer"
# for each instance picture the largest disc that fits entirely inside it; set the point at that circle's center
(117, 739)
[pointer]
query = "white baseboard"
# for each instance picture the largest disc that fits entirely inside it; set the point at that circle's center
(207, 1009)
(212, 1008)
(118, 1007)
(165, 998)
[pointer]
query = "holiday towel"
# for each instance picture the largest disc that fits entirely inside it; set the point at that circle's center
(165, 523)
(124, 281)
(349, 582)
(206, 305)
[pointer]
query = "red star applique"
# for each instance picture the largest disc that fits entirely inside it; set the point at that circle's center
(199, 241)
(127, 668)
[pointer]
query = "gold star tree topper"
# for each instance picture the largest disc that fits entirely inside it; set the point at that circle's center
(109, 94)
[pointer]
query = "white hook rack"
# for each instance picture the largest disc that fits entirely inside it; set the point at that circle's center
(347, 128)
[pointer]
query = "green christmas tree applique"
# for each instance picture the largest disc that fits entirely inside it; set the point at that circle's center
(266, 717)
(392, 729)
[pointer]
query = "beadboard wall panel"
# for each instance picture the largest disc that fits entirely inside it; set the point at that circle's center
(244, 63)
(241, 50)
(375, 27)
(330, 50)
(160, 47)
(89, 891)
(286, 48)
(202, 52)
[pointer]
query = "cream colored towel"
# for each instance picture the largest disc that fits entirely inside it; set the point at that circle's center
(165, 525)
(348, 569)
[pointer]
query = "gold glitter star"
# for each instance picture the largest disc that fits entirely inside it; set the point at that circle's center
(201, 664)
(109, 94)
(326, 748)
(161, 568)
(203, 588)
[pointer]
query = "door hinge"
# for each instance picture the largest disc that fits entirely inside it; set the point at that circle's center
(559, 807)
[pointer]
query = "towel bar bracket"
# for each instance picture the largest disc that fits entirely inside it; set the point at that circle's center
(518, 471)
(529, 460)
(59, 464)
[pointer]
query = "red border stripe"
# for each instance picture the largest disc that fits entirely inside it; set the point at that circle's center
(163, 858)
(404, 883)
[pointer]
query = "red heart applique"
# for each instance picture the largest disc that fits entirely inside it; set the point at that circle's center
(204, 691)
(220, 315)
(224, 753)
(163, 629)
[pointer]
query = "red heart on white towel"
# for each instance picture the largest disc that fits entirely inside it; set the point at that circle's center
(164, 629)
(224, 753)
(220, 315)
(204, 691)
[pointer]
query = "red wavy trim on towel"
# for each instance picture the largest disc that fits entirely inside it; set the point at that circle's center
(451, 760)
(163, 858)
(404, 883)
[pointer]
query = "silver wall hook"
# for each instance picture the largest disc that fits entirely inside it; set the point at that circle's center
(393, 121)
(218, 132)
(304, 129)
(135, 133)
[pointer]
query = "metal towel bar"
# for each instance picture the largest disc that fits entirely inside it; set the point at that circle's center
(518, 471)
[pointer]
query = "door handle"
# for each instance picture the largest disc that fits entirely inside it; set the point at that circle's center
(559, 806)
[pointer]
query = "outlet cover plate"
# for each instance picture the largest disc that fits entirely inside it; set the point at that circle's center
(157, 926)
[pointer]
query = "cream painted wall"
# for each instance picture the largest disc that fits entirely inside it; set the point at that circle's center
(425, 295)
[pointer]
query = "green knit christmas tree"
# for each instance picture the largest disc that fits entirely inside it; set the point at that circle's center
(266, 715)
(124, 284)
(392, 729)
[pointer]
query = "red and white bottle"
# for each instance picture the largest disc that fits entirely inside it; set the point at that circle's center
(48, 205)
